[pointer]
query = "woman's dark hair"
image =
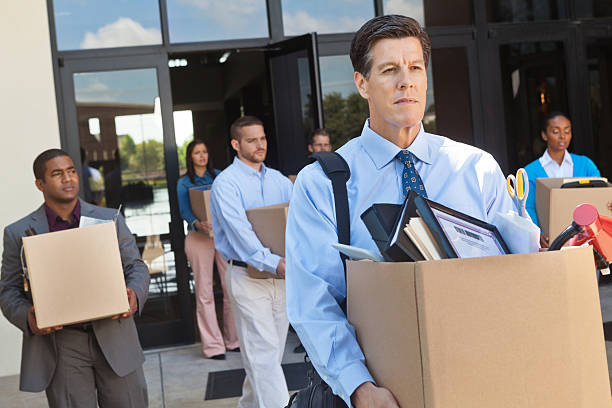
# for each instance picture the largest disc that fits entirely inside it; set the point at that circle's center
(379, 28)
(551, 116)
(189, 161)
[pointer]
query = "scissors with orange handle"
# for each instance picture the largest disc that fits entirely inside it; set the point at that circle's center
(518, 188)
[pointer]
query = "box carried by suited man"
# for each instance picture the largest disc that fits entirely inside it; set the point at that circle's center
(80, 343)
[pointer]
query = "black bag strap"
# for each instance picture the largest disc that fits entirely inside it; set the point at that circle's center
(337, 170)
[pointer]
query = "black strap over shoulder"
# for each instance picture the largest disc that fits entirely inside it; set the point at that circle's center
(337, 170)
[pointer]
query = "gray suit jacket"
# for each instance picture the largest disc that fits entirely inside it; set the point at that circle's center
(118, 338)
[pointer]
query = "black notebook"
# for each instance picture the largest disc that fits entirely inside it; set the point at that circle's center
(379, 219)
(400, 248)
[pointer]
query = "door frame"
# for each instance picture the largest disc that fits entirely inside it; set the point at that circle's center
(181, 331)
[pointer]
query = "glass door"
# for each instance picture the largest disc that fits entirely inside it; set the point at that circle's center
(119, 123)
(296, 92)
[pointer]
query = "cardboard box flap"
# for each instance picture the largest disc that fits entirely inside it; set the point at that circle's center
(269, 225)
(76, 275)
(199, 199)
(521, 321)
(387, 331)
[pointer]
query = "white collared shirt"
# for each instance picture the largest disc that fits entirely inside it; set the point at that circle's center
(553, 169)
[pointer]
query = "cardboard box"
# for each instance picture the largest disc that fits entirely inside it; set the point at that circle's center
(199, 197)
(555, 205)
(76, 275)
(505, 332)
(269, 225)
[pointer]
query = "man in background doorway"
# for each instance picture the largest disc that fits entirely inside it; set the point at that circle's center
(319, 141)
(258, 304)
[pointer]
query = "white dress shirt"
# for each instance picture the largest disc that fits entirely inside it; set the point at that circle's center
(553, 169)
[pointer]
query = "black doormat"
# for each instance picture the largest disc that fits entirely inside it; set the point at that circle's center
(228, 383)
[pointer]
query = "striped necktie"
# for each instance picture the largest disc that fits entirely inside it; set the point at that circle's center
(410, 176)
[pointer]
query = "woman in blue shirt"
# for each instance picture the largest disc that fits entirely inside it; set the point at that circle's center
(200, 251)
(556, 160)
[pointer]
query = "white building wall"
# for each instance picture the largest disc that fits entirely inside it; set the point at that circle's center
(28, 125)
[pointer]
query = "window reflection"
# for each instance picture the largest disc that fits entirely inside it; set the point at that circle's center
(82, 24)
(202, 20)
(593, 8)
(432, 12)
(525, 10)
(325, 16)
(600, 79)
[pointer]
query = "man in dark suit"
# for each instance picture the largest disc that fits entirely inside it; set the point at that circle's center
(85, 364)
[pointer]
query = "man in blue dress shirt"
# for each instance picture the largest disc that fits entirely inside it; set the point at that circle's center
(390, 56)
(258, 304)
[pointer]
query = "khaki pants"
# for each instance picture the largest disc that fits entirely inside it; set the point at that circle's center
(261, 320)
(83, 377)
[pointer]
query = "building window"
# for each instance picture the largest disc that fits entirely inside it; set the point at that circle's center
(199, 20)
(324, 16)
(84, 24)
(432, 12)
(499, 11)
(593, 8)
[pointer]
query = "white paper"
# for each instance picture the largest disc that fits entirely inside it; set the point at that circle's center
(87, 221)
(467, 239)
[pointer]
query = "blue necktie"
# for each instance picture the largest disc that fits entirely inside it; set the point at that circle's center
(410, 176)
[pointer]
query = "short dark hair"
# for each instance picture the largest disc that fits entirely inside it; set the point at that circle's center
(318, 132)
(40, 162)
(551, 116)
(382, 27)
(243, 122)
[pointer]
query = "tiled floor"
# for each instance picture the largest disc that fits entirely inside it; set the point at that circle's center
(185, 373)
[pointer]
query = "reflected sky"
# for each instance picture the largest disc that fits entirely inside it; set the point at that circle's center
(209, 20)
(324, 16)
(135, 86)
(82, 24)
(410, 8)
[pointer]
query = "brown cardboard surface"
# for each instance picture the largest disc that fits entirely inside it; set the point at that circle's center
(200, 205)
(382, 307)
(76, 275)
(555, 205)
(507, 331)
(269, 225)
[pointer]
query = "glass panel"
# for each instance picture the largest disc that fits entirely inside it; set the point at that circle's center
(82, 24)
(123, 164)
(533, 80)
(325, 16)
(204, 20)
(593, 8)
(345, 111)
(599, 54)
(451, 115)
(525, 10)
(432, 12)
